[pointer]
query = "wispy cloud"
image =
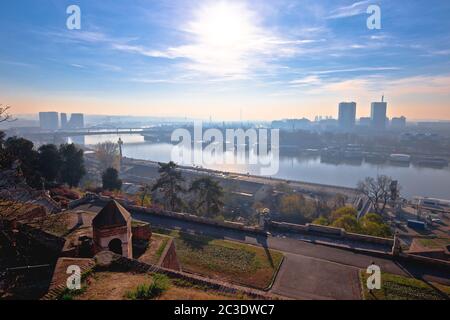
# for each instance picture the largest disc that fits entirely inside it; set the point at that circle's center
(362, 69)
(79, 66)
(17, 63)
(228, 40)
(222, 40)
(309, 80)
(355, 9)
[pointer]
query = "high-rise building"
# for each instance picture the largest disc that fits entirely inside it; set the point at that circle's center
(347, 115)
(63, 121)
(49, 120)
(378, 114)
(76, 121)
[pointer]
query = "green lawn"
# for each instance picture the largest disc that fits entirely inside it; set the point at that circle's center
(227, 260)
(395, 287)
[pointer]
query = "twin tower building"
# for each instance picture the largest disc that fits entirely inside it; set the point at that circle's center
(50, 121)
(378, 119)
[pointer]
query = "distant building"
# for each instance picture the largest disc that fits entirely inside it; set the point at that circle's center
(365, 121)
(398, 123)
(347, 115)
(291, 124)
(378, 114)
(49, 120)
(439, 125)
(63, 120)
(76, 121)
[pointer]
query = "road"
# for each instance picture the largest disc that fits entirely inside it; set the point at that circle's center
(310, 270)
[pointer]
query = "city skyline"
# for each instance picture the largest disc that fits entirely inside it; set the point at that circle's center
(270, 59)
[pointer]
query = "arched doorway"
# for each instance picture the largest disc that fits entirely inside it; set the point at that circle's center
(115, 245)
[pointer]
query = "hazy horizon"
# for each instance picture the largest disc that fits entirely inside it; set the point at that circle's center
(35, 117)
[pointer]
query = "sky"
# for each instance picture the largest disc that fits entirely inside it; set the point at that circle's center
(264, 59)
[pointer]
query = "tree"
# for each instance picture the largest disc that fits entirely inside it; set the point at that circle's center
(373, 224)
(347, 222)
(22, 150)
(321, 206)
(336, 214)
(321, 221)
(5, 116)
(295, 208)
(377, 191)
(110, 180)
(49, 162)
(3, 156)
(108, 155)
(144, 197)
(72, 164)
(338, 201)
(209, 196)
(169, 183)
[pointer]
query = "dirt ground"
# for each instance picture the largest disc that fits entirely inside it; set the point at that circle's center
(115, 285)
(154, 250)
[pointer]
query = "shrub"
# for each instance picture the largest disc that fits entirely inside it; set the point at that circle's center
(344, 211)
(321, 221)
(160, 283)
(347, 222)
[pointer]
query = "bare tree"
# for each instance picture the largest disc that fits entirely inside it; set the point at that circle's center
(378, 191)
(5, 116)
(107, 154)
(338, 201)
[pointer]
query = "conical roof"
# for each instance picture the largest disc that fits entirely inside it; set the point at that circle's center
(113, 214)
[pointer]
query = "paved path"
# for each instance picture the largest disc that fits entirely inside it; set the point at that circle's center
(302, 277)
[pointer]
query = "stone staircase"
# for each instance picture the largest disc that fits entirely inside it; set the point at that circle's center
(58, 283)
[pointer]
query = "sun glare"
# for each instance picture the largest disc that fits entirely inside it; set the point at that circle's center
(225, 34)
(224, 25)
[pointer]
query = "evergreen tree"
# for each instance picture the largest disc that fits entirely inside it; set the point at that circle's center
(72, 167)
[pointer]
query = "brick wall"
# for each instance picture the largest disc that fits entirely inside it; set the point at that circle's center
(142, 232)
(169, 259)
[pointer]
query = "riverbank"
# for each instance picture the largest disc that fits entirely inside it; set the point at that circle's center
(311, 189)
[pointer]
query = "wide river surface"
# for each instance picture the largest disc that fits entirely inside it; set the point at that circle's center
(414, 180)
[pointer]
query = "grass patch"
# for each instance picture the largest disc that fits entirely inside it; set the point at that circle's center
(161, 248)
(137, 223)
(436, 243)
(69, 294)
(160, 283)
(394, 287)
(228, 260)
(183, 283)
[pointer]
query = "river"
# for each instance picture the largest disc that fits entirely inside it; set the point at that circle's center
(414, 180)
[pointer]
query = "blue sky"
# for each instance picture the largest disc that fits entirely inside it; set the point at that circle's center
(272, 58)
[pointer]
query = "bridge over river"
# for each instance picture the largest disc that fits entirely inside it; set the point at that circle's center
(92, 132)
